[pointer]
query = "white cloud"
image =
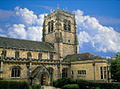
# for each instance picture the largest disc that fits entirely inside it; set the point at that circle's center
(26, 16)
(29, 25)
(17, 31)
(83, 38)
(34, 33)
(102, 38)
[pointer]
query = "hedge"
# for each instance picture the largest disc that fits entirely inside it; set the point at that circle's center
(70, 86)
(13, 85)
(63, 81)
(36, 86)
(84, 84)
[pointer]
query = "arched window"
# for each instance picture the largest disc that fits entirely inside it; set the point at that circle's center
(15, 72)
(4, 52)
(40, 56)
(48, 27)
(52, 26)
(65, 24)
(17, 54)
(29, 55)
(64, 72)
(69, 26)
(51, 56)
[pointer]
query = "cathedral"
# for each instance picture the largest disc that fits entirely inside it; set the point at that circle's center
(57, 56)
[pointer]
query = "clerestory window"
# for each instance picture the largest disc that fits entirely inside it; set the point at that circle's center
(51, 56)
(16, 54)
(4, 52)
(40, 56)
(29, 55)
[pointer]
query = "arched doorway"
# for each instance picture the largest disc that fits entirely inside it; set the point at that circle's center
(41, 76)
(44, 79)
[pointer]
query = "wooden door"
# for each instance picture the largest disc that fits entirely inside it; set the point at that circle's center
(43, 79)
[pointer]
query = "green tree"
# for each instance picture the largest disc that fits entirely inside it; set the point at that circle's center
(115, 68)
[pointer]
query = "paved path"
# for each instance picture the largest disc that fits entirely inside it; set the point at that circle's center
(49, 87)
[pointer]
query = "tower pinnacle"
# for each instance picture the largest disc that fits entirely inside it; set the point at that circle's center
(58, 6)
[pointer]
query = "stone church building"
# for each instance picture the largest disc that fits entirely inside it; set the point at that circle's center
(55, 57)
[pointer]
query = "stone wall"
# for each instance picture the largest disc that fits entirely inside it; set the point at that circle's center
(7, 68)
(23, 54)
(87, 65)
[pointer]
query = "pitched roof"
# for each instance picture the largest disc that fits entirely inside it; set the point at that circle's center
(6, 42)
(81, 56)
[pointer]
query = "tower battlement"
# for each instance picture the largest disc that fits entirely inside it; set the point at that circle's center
(60, 28)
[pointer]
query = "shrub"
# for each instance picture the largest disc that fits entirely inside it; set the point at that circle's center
(84, 84)
(36, 86)
(13, 85)
(109, 85)
(70, 86)
(63, 81)
(4, 85)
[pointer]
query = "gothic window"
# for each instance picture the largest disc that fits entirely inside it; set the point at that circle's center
(29, 54)
(16, 54)
(4, 52)
(51, 56)
(69, 26)
(15, 72)
(52, 26)
(101, 71)
(64, 72)
(48, 27)
(65, 24)
(40, 56)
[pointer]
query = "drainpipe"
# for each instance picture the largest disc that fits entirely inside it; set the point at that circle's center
(94, 69)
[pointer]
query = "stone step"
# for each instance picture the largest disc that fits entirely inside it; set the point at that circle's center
(48, 87)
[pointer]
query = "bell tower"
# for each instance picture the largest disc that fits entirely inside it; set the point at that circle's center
(59, 28)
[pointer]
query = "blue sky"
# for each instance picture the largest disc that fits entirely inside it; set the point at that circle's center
(98, 22)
